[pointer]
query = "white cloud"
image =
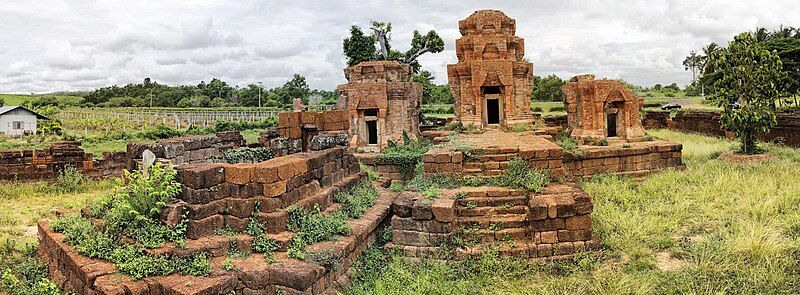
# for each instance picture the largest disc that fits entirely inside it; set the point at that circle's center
(71, 45)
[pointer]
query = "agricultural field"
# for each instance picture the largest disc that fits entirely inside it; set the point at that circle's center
(713, 228)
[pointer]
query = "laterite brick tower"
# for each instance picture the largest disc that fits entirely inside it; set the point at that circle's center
(383, 103)
(602, 108)
(491, 82)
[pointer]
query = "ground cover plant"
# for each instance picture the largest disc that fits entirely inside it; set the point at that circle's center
(130, 225)
(405, 154)
(713, 228)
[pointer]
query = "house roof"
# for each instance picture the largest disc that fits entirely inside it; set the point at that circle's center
(7, 109)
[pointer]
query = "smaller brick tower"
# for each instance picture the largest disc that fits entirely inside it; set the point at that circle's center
(382, 103)
(602, 108)
(491, 82)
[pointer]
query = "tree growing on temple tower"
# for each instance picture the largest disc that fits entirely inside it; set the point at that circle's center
(746, 89)
(360, 47)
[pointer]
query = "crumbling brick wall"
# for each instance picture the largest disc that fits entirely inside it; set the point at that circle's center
(698, 122)
(490, 161)
(637, 160)
(656, 120)
(189, 149)
(552, 224)
(224, 195)
(47, 164)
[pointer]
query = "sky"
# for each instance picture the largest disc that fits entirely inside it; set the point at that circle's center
(48, 46)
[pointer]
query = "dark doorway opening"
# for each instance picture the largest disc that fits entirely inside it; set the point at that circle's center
(491, 90)
(611, 122)
(372, 132)
(493, 111)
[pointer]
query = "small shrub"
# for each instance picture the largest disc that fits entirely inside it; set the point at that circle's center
(536, 109)
(161, 131)
(356, 201)
(312, 227)
(520, 128)
(146, 196)
(603, 142)
(566, 141)
(263, 244)
(557, 109)
(371, 173)
(69, 180)
(522, 175)
(405, 155)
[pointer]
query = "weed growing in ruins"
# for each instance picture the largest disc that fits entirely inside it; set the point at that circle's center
(69, 180)
(326, 259)
(22, 274)
(521, 175)
(246, 155)
(264, 244)
(397, 187)
(566, 141)
(145, 196)
(371, 173)
(312, 227)
(357, 200)
(405, 155)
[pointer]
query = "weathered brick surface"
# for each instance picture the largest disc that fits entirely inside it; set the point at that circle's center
(589, 102)
(381, 92)
(637, 159)
(490, 55)
(44, 164)
(547, 225)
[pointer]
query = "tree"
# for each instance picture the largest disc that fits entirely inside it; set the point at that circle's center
(694, 63)
(2, 102)
(547, 88)
(359, 47)
(295, 88)
(382, 32)
(430, 42)
(788, 50)
(747, 75)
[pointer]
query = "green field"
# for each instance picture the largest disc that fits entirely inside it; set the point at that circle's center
(715, 228)
(18, 99)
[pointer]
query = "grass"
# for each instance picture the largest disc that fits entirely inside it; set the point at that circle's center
(25, 203)
(713, 228)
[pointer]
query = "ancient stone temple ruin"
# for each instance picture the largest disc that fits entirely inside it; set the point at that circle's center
(383, 103)
(491, 82)
(602, 108)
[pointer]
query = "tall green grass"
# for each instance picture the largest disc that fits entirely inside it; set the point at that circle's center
(714, 228)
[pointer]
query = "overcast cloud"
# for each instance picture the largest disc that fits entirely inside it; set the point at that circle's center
(77, 45)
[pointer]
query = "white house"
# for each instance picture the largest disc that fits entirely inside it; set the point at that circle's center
(18, 120)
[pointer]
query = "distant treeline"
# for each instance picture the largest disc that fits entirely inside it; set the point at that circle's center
(216, 93)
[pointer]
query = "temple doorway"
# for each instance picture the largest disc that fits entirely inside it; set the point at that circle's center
(611, 123)
(493, 105)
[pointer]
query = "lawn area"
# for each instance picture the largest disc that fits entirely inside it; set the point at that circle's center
(713, 228)
(25, 203)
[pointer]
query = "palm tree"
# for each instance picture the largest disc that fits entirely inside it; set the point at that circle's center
(707, 63)
(783, 32)
(761, 34)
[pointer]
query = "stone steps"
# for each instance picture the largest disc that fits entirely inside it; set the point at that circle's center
(497, 221)
(486, 211)
(507, 201)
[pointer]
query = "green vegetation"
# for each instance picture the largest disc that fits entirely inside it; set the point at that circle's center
(356, 201)
(746, 74)
(312, 227)
(405, 155)
(247, 155)
(521, 175)
(566, 141)
(216, 93)
(22, 274)
(359, 47)
(547, 88)
(713, 228)
(129, 227)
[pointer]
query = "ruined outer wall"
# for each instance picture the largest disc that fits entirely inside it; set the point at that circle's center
(189, 149)
(46, 164)
(290, 124)
(636, 160)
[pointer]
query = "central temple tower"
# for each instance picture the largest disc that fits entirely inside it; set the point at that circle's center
(491, 82)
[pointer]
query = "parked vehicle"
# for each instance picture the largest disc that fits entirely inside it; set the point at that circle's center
(670, 106)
